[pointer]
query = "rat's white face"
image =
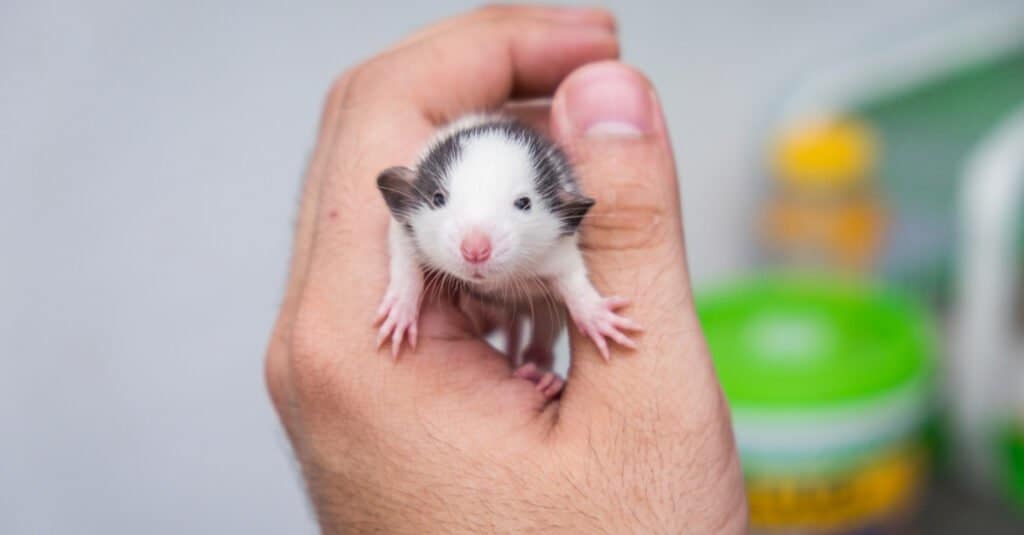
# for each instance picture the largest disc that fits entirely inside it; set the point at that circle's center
(486, 222)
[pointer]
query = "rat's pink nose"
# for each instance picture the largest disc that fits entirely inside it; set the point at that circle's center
(476, 247)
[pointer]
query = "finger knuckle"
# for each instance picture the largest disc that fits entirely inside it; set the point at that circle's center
(275, 376)
(359, 78)
(355, 83)
(337, 87)
(376, 87)
(311, 355)
(636, 206)
(629, 222)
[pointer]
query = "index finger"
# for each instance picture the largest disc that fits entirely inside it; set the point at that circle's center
(481, 63)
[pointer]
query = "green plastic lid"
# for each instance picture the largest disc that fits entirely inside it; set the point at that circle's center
(806, 343)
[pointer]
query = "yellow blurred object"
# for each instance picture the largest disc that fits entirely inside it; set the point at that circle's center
(825, 211)
(825, 153)
(881, 490)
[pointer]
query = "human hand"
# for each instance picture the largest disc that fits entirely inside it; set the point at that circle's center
(447, 440)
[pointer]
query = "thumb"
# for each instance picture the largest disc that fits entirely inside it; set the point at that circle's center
(607, 117)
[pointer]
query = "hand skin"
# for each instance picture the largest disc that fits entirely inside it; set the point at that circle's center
(446, 440)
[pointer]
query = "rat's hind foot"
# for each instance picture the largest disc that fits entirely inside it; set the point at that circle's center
(598, 320)
(547, 383)
(398, 314)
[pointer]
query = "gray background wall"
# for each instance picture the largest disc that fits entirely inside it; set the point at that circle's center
(149, 162)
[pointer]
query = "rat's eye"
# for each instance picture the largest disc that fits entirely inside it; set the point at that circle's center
(523, 203)
(439, 200)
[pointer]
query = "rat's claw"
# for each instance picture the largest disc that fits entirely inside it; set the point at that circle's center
(385, 330)
(396, 341)
(398, 317)
(613, 333)
(382, 310)
(625, 323)
(616, 302)
(599, 341)
(598, 321)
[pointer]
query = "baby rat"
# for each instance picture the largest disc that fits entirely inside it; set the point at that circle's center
(493, 207)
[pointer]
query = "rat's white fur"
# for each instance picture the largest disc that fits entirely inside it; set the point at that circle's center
(483, 183)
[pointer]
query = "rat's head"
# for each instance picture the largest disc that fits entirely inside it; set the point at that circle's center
(486, 204)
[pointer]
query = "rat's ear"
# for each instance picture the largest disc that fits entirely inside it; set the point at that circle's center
(395, 183)
(573, 207)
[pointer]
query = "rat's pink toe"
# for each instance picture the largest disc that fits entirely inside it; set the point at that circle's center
(547, 383)
(551, 385)
(528, 371)
(555, 388)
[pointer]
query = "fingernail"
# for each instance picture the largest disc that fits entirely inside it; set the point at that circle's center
(609, 100)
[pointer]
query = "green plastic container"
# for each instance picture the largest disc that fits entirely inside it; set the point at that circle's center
(830, 385)
(1012, 445)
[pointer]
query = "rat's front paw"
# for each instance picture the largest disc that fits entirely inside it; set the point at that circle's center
(397, 315)
(597, 320)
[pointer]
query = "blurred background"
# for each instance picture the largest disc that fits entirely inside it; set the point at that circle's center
(852, 178)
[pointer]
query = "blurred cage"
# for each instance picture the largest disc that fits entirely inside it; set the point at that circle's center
(897, 172)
